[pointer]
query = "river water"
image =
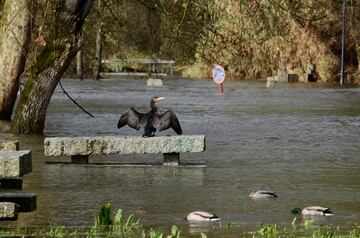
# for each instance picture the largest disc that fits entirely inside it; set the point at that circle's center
(300, 140)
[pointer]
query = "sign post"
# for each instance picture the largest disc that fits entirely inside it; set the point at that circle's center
(218, 75)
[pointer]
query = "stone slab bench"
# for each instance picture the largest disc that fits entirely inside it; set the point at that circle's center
(9, 211)
(13, 166)
(79, 148)
(9, 145)
(26, 201)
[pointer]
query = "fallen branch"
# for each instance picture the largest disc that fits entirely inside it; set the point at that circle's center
(73, 100)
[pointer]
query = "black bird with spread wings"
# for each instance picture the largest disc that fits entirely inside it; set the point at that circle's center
(151, 121)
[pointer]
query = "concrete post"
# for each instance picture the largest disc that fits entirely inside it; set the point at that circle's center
(26, 201)
(80, 159)
(15, 183)
(171, 159)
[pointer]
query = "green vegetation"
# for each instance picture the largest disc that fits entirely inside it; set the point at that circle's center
(252, 38)
(107, 224)
(306, 229)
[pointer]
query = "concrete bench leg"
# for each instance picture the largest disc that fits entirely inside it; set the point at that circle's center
(80, 159)
(171, 159)
(11, 183)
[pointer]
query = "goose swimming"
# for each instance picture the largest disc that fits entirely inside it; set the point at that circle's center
(313, 210)
(151, 121)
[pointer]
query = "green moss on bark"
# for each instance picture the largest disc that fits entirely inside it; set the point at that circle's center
(47, 57)
(55, 57)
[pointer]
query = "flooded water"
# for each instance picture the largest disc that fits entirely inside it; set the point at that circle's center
(300, 140)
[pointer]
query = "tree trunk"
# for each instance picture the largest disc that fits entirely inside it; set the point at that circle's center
(99, 42)
(64, 29)
(15, 32)
(1, 6)
(80, 60)
(358, 56)
(327, 35)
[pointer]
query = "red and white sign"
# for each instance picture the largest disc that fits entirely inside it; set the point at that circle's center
(218, 74)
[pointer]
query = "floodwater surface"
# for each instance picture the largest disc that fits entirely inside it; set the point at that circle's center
(299, 140)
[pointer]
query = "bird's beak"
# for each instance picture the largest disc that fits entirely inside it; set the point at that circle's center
(158, 99)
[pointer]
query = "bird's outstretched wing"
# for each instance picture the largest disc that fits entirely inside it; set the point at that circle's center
(131, 118)
(168, 120)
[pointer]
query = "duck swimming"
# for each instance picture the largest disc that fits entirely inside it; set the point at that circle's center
(262, 194)
(202, 216)
(313, 211)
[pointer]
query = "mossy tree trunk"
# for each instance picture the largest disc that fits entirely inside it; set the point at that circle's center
(59, 48)
(15, 32)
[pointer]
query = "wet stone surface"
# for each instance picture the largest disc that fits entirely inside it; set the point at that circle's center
(9, 145)
(58, 146)
(8, 211)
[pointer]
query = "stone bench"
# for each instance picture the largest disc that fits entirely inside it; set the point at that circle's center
(25, 201)
(9, 211)
(9, 145)
(79, 148)
(13, 166)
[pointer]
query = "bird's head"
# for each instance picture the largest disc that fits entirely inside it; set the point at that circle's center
(154, 100)
(296, 210)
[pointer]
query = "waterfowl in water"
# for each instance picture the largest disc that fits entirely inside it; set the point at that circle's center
(151, 121)
(313, 211)
(202, 216)
(262, 194)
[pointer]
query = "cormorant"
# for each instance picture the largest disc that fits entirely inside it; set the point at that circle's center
(151, 121)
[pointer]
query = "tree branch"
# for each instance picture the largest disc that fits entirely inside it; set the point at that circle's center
(73, 100)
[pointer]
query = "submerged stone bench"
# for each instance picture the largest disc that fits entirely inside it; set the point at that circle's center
(79, 148)
(13, 166)
(25, 201)
(9, 211)
(9, 145)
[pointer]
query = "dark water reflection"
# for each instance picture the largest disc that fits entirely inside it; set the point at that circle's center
(300, 140)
